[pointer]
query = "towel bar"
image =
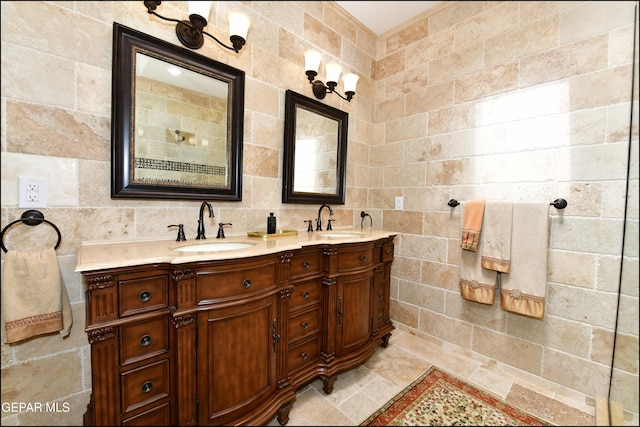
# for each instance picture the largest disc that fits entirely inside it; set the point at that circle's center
(31, 217)
(557, 203)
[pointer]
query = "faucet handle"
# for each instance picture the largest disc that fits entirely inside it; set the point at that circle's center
(181, 236)
(309, 227)
(329, 224)
(221, 229)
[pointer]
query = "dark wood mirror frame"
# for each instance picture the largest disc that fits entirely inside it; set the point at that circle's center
(293, 102)
(126, 42)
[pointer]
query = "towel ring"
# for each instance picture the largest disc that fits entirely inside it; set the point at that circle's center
(31, 217)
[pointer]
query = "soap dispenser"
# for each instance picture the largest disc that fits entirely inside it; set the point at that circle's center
(271, 224)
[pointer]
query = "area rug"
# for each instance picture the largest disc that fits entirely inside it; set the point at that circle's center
(440, 399)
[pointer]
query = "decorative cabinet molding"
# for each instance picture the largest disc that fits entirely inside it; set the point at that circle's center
(230, 341)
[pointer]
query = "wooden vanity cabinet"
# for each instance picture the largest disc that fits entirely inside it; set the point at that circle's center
(230, 341)
(238, 327)
(131, 349)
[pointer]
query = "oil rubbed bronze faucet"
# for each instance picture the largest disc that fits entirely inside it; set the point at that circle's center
(201, 220)
(319, 219)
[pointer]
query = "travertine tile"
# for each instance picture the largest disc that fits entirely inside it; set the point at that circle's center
(321, 35)
(389, 65)
(569, 371)
(67, 133)
(572, 268)
(17, 381)
(451, 330)
(523, 41)
(408, 35)
(547, 408)
(457, 64)
(590, 18)
(502, 18)
(508, 349)
(435, 46)
(487, 82)
(595, 307)
(564, 61)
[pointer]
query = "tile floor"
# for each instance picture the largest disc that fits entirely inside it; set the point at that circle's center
(359, 392)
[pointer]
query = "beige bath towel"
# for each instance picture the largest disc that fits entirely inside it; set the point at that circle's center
(524, 290)
(471, 224)
(34, 299)
(476, 283)
(496, 236)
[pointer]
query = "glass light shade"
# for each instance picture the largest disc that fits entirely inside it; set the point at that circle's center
(350, 81)
(238, 24)
(312, 60)
(333, 72)
(202, 8)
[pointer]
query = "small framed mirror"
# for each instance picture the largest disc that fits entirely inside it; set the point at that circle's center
(315, 151)
(177, 122)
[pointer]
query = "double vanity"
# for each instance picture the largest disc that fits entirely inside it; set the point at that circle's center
(224, 331)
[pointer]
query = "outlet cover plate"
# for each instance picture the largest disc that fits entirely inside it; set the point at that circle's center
(399, 203)
(32, 192)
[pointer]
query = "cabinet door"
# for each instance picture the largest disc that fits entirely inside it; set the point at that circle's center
(355, 311)
(236, 359)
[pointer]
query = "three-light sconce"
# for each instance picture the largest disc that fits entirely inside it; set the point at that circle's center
(320, 90)
(191, 33)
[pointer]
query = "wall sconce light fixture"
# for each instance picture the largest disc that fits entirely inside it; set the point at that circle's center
(191, 32)
(320, 90)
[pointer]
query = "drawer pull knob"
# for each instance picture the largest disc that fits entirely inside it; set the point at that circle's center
(146, 387)
(246, 284)
(305, 294)
(306, 265)
(380, 295)
(145, 340)
(388, 251)
(379, 317)
(304, 356)
(144, 296)
(363, 258)
(305, 325)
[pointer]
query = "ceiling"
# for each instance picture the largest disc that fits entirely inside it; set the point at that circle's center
(382, 16)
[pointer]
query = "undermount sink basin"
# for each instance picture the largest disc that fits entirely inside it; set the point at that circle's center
(214, 247)
(342, 234)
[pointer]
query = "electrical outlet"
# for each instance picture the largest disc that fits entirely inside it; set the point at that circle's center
(32, 192)
(399, 203)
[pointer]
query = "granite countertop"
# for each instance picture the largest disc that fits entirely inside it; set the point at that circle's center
(97, 255)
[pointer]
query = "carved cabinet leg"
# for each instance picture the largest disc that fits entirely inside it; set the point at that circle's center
(385, 340)
(327, 383)
(283, 413)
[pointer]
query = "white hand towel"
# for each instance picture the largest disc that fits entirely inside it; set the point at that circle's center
(34, 299)
(476, 283)
(524, 290)
(496, 236)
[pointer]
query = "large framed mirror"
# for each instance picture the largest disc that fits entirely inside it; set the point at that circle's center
(315, 151)
(177, 122)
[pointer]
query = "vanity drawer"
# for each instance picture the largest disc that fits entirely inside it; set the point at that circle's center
(379, 316)
(143, 294)
(303, 354)
(355, 258)
(304, 263)
(159, 416)
(387, 251)
(305, 293)
(145, 385)
(144, 339)
(237, 280)
(304, 324)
